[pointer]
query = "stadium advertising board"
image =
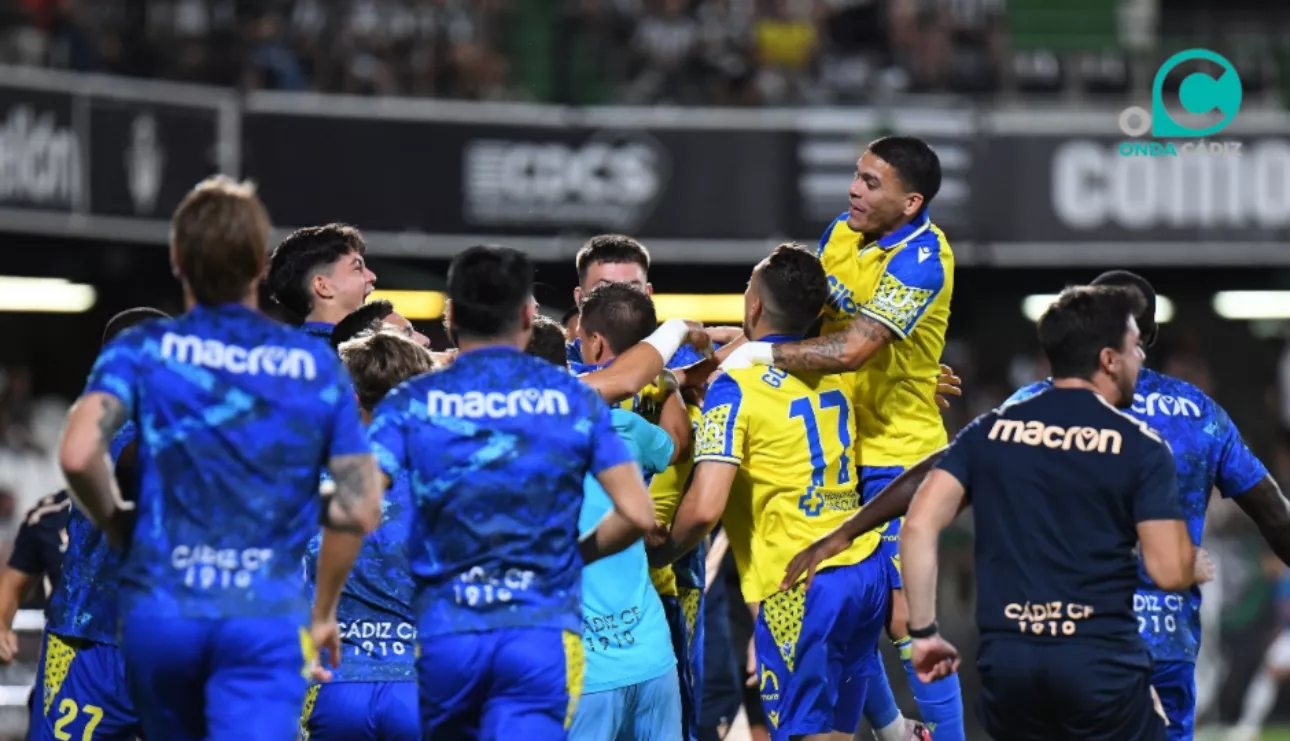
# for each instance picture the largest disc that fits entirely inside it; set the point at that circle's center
(1081, 189)
(146, 156)
(42, 162)
(446, 177)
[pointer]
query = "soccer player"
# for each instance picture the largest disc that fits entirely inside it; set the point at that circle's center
(37, 559)
(775, 457)
(320, 275)
(547, 341)
(1066, 489)
(81, 682)
(1209, 453)
(236, 416)
(891, 276)
(613, 317)
(371, 317)
(496, 447)
(372, 695)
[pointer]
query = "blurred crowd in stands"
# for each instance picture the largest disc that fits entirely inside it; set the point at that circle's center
(686, 52)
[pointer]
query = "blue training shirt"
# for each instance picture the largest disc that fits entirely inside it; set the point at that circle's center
(1058, 484)
(237, 416)
(1209, 452)
(624, 629)
(496, 447)
(84, 602)
(377, 629)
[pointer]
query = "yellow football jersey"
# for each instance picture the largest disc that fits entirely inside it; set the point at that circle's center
(791, 436)
(904, 282)
(666, 490)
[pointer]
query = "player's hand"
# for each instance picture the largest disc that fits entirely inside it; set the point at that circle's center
(1205, 571)
(696, 376)
(1159, 707)
(947, 385)
(325, 634)
(934, 658)
(724, 335)
(810, 559)
(657, 537)
(8, 646)
(751, 666)
(698, 339)
(120, 526)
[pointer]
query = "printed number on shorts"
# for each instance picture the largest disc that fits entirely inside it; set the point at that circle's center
(68, 711)
(811, 502)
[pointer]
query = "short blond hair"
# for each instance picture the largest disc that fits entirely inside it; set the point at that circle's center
(220, 238)
(379, 361)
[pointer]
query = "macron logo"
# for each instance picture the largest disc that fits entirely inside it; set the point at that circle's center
(496, 405)
(269, 360)
(924, 253)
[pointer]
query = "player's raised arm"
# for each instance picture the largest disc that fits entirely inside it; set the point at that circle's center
(641, 364)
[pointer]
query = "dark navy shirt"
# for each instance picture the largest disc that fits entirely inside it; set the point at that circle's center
(41, 540)
(1209, 452)
(237, 415)
(496, 448)
(1058, 484)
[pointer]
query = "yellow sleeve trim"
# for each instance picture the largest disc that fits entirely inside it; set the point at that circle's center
(713, 458)
(867, 314)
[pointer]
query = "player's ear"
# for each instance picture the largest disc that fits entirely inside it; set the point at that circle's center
(649, 288)
(577, 295)
(526, 320)
(913, 203)
(321, 285)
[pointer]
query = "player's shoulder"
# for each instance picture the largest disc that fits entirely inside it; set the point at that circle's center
(839, 233)
(1159, 394)
(923, 260)
(1133, 430)
(55, 507)
(1028, 391)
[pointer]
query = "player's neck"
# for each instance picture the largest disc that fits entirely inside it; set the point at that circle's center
(762, 329)
(466, 344)
(251, 300)
(1104, 388)
(326, 314)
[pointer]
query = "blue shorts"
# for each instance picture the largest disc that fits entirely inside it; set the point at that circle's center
(687, 642)
(817, 648)
(648, 711)
(873, 479)
(81, 690)
(361, 711)
(1175, 683)
(520, 683)
(240, 679)
(1032, 691)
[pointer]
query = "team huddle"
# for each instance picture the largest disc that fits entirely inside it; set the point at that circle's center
(329, 531)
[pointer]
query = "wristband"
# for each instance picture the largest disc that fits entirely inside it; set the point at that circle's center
(927, 632)
(668, 337)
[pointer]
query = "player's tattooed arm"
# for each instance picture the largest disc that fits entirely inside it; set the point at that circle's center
(1270, 510)
(354, 506)
(83, 456)
(839, 352)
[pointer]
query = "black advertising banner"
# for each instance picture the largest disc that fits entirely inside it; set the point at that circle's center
(1080, 190)
(146, 156)
(457, 178)
(41, 154)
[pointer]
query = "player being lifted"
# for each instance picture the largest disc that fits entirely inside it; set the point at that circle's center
(496, 447)
(320, 275)
(775, 457)
(237, 415)
(891, 276)
(372, 695)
